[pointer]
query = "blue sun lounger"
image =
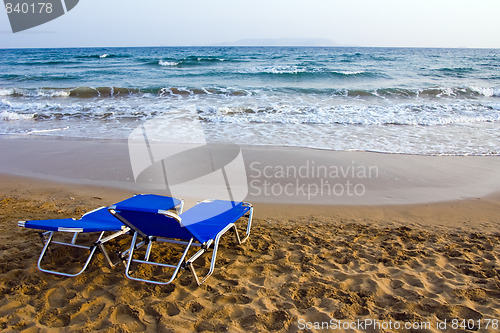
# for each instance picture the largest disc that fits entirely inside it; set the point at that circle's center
(202, 226)
(98, 220)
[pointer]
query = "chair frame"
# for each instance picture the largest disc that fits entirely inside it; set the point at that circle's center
(183, 263)
(48, 239)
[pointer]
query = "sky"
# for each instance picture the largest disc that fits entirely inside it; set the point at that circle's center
(384, 23)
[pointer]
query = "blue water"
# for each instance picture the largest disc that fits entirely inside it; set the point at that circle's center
(417, 101)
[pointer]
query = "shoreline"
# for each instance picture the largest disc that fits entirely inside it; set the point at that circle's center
(274, 175)
(36, 136)
(474, 214)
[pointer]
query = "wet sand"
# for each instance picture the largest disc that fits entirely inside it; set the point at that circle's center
(277, 175)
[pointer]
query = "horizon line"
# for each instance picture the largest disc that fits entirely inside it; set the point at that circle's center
(256, 46)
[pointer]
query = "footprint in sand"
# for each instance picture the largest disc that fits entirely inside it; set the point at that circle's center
(258, 280)
(414, 282)
(123, 314)
(89, 311)
(463, 311)
(397, 284)
(57, 297)
(171, 309)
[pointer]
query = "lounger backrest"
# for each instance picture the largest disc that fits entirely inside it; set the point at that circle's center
(160, 224)
(208, 218)
(202, 222)
(146, 214)
(100, 213)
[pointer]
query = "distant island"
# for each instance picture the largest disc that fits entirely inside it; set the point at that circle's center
(280, 42)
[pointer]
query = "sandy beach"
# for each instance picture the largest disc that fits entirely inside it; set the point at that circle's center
(305, 264)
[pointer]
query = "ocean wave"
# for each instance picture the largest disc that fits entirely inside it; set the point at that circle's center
(53, 93)
(459, 72)
(352, 55)
(189, 61)
(35, 63)
(198, 59)
(89, 92)
(167, 63)
(456, 69)
(173, 91)
(307, 72)
(357, 57)
(102, 92)
(373, 115)
(39, 77)
(465, 92)
(427, 93)
(103, 56)
(7, 91)
(472, 92)
(10, 77)
(11, 116)
(276, 70)
(81, 92)
(349, 73)
(486, 91)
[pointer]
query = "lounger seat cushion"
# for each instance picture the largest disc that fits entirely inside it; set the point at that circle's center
(148, 203)
(203, 221)
(96, 221)
(207, 219)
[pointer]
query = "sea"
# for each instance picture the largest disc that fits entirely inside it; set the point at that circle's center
(389, 100)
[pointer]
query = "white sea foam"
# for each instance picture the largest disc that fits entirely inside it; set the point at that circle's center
(262, 118)
(10, 116)
(52, 93)
(487, 91)
(351, 72)
(365, 115)
(167, 63)
(47, 130)
(34, 92)
(5, 103)
(102, 56)
(276, 70)
(7, 91)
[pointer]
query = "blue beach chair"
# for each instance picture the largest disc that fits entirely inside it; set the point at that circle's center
(97, 221)
(200, 226)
